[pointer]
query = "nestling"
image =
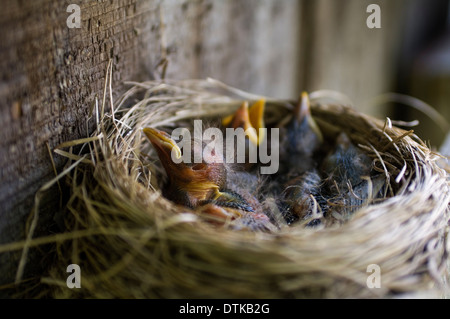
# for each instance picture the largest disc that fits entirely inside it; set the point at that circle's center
(202, 186)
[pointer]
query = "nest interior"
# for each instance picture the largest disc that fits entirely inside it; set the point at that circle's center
(131, 242)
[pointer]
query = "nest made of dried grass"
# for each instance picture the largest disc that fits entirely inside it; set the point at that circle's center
(131, 242)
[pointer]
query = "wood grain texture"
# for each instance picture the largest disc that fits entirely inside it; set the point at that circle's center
(50, 77)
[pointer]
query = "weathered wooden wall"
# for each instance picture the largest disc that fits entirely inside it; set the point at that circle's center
(50, 74)
(345, 55)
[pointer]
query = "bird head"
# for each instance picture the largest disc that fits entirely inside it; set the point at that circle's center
(346, 162)
(302, 115)
(304, 135)
(188, 183)
(249, 118)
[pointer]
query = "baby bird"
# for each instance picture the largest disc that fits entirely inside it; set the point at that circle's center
(348, 186)
(239, 212)
(346, 163)
(302, 199)
(301, 138)
(202, 186)
(240, 176)
(187, 184)
(243, 178)
(298, 179)
(251, 119)
(365, 192)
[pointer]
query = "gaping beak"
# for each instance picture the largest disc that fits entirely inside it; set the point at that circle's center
(163, 142)
(303, 111)
(249, 118)
(256, 114)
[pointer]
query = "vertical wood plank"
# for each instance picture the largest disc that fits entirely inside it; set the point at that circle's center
(345, 55)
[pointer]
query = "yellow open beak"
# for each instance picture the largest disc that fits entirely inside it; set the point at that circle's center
(249, 118)
(256, 114)
(162, 141)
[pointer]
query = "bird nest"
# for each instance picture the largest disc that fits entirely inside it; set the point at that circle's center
(132, 242)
